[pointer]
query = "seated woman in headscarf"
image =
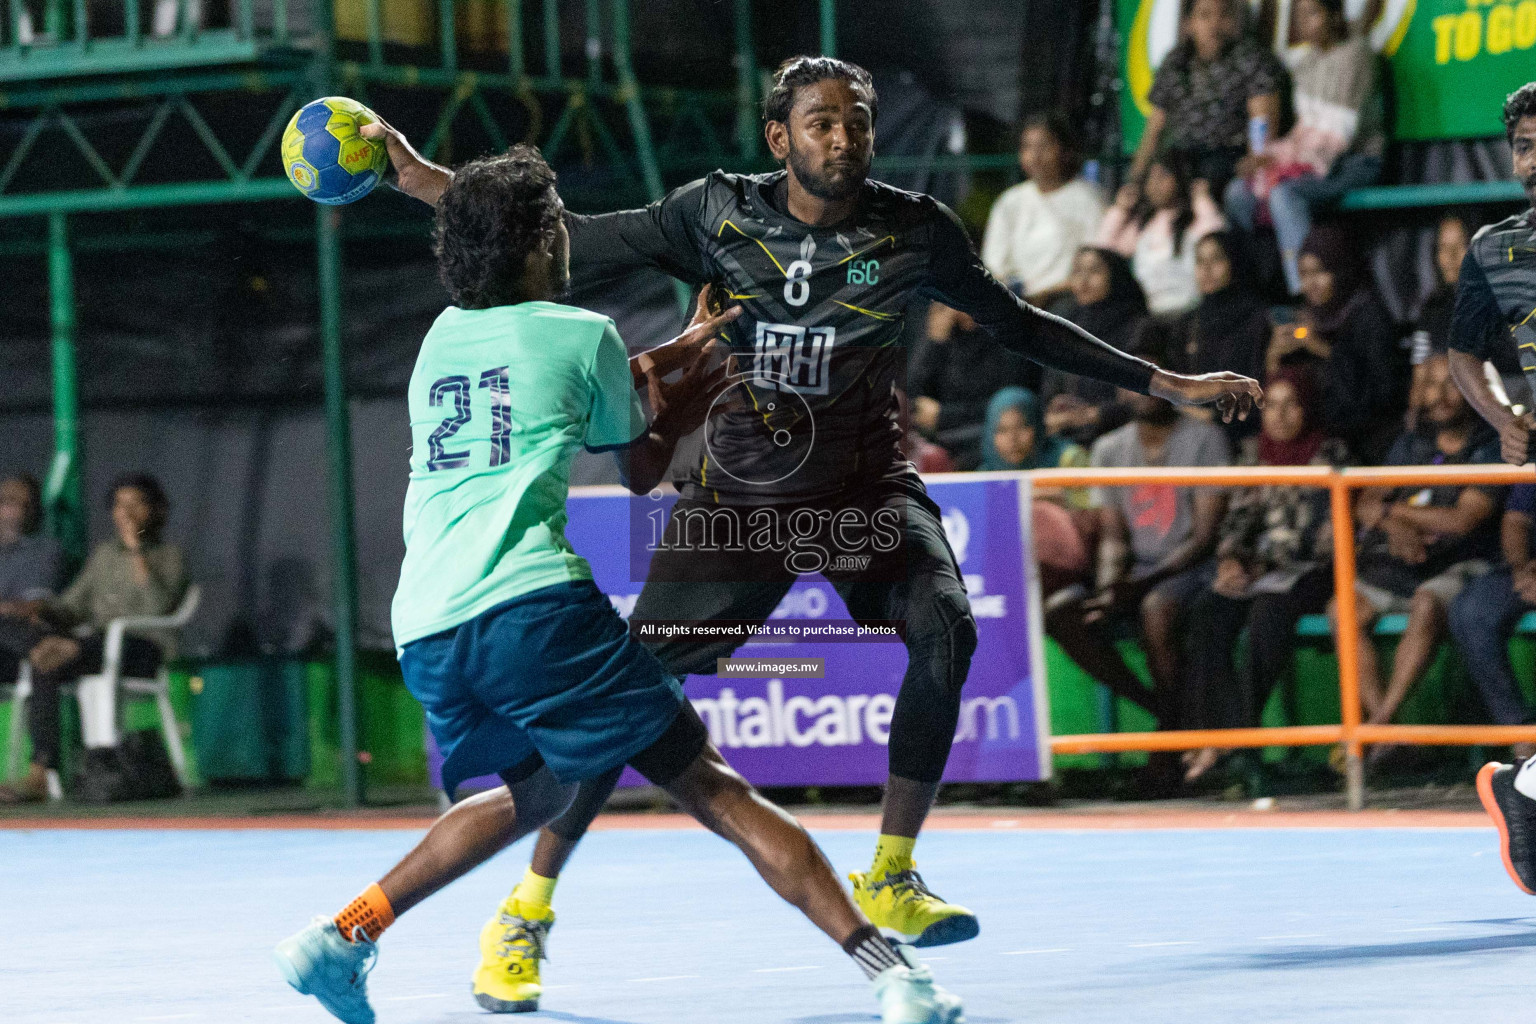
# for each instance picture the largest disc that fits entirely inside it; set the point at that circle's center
(1109, 304)
(1231, 327)
(1015, 438)
(1274, 565)
(1349, 339)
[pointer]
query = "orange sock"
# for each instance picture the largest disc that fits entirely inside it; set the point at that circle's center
(371, 912)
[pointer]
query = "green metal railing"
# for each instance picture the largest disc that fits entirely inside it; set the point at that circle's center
(67, 67)
(56, 38)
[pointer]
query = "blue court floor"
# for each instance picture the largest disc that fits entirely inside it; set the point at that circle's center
(671, 927)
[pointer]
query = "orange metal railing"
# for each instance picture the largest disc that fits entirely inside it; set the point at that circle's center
(1351, 732)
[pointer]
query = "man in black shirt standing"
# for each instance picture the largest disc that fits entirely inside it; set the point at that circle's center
(823, 262)
(1496, 310)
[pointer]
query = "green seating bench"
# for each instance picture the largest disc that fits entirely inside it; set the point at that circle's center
(1397, 197)
(1390, 625)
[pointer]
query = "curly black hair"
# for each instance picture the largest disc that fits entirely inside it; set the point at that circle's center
(799, 71)
(1520, 105)
(495, 213)
(154, 496)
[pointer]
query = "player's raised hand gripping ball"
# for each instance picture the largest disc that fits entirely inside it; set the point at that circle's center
(326, 158)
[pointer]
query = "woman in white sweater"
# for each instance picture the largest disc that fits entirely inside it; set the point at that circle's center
(1037, 226)
(1157, 228)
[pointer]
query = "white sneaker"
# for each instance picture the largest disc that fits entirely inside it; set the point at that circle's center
(320, 963)
(907, 994)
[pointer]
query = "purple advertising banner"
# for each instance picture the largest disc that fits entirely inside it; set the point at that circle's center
(834, 730)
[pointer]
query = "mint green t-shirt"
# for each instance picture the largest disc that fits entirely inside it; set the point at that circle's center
(500, 401)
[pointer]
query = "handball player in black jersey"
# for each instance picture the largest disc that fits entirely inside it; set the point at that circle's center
(824, 263)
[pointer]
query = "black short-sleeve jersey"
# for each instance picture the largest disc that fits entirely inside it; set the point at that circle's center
(1496, 293)
(818, 345)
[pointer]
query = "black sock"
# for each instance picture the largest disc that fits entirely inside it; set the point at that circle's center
(871, 951)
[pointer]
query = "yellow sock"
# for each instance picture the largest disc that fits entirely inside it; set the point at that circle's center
(535, 891)
(892, 854)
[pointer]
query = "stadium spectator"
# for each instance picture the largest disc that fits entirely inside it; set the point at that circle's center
(1483, 618)
(1349, 338)
(31, 571)
(1206, 92)
(1432, 326)
(1158, 227)
(1037, 226)
(1338, 138)
(1015, 437)
(137, 573)
(921, 452)
(1063, 524)
(956, 371)
(1154, 554)
(1107, 303)
(1230, 328)
(1433, 323)
(1273, 567)
(1418, 548)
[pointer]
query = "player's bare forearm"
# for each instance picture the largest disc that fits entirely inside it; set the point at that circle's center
(663, 359)
(1467, 372)
(1514, 431)
(686, 347)
(644, 464)
(415, 175)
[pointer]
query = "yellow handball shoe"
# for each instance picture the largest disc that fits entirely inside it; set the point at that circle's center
(511, 946)
(904, 910)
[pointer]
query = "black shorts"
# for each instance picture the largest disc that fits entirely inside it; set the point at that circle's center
(871, 547)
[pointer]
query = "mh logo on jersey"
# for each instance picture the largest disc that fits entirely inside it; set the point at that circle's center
(793, 358)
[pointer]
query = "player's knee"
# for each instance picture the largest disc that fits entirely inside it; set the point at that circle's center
(712, 791)
(540, 799)
(945, 635)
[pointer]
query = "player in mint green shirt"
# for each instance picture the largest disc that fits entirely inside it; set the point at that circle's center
(524, 667)
(490, 462)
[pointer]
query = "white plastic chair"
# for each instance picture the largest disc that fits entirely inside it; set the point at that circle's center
(98, 693)
(21, 692)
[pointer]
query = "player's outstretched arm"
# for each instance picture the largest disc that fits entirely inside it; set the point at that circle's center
(415, 175)
(959, 280)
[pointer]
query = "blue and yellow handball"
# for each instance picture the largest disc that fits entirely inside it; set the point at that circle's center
(326, 158)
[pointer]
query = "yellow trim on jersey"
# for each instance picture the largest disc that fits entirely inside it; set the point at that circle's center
(870, 312)
(861, 252)
(751, 295)
(759, 242)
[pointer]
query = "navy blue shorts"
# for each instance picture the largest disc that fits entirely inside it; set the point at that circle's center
(553, 673)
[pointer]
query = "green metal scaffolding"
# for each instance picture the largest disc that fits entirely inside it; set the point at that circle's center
(64, 69)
